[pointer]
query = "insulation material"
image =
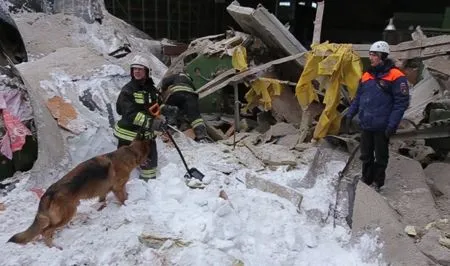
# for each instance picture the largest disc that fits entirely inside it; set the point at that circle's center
(63, 112)
(262, 92)
(14, 110)
(15, 136)
(339, 65)
(239, 58)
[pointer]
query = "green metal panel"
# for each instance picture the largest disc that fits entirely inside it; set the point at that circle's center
(204, 68)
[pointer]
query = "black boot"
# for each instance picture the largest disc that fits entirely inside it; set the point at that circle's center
(367, 173)
(379, 174)
(201, 135)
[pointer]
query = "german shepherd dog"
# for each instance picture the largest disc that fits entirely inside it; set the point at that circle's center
(95, 177)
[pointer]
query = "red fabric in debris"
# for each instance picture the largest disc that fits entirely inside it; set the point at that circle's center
(14, 138)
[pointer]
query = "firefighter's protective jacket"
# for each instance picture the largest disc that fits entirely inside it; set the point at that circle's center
(132, 104)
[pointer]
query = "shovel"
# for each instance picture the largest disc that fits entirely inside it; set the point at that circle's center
(191, 172)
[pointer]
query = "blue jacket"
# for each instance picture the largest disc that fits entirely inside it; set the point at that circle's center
(381, 99)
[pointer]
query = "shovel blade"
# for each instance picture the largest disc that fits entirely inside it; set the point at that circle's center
(194, 173)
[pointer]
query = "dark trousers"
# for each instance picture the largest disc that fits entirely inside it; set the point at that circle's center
(187, 103)
(149, 168)
(374, 156)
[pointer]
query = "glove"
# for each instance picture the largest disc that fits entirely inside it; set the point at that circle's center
(158, 124)
(389, 132)
(170, 112)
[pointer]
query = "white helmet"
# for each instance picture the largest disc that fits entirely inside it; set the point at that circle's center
(380, 46)
(140, 62)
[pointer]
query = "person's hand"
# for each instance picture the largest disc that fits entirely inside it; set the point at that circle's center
(169, 111)
(389, 132)
(158, 124)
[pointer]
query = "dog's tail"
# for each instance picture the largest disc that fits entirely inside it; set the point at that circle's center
(40, 222)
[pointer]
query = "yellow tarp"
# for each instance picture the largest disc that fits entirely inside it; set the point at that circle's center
(239, 58)
(261, 92)
(337, 64)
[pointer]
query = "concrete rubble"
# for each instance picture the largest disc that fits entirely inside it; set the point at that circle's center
(372, 212)
(438, 180)
(268, 186)
(412, 197)
(407, 191)
(430, 246)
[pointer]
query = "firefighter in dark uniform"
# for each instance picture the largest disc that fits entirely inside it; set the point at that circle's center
(381, 100)
(178, 90)
(132, 104)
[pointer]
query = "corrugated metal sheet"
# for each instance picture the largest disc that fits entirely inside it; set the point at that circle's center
(264, 25)
(426, 91)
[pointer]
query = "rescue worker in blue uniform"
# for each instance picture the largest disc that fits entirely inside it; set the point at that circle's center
(178, 90)
(381, 100)
(132, 104)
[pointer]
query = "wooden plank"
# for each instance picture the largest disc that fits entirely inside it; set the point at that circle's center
(236, 78)
(427, 47)
(436, 50)
(318, 22)
(217, 79)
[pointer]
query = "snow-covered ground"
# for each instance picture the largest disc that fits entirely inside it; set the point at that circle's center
(251, 228)
(254, 227)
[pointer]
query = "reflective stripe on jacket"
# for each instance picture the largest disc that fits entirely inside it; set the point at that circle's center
(132, 104)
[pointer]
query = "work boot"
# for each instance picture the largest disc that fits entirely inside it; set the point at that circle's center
(201, 135)
(367, 173)
(379, 174)
(376, 187)
(146, 171)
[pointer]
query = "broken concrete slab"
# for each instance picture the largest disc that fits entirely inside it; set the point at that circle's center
(261, 23)
(239, 136)
(265, 185)
(430, 246)
(246, 158)
(372, 211)
(282, 129)
(214, 133)
(326, 152)
(278, 130)
(41, 87)
(285, 107)
(289, 141)
(272, 154)
(438, 179)
(407, 191)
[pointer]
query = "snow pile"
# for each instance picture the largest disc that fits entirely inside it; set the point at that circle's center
(43, 34)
